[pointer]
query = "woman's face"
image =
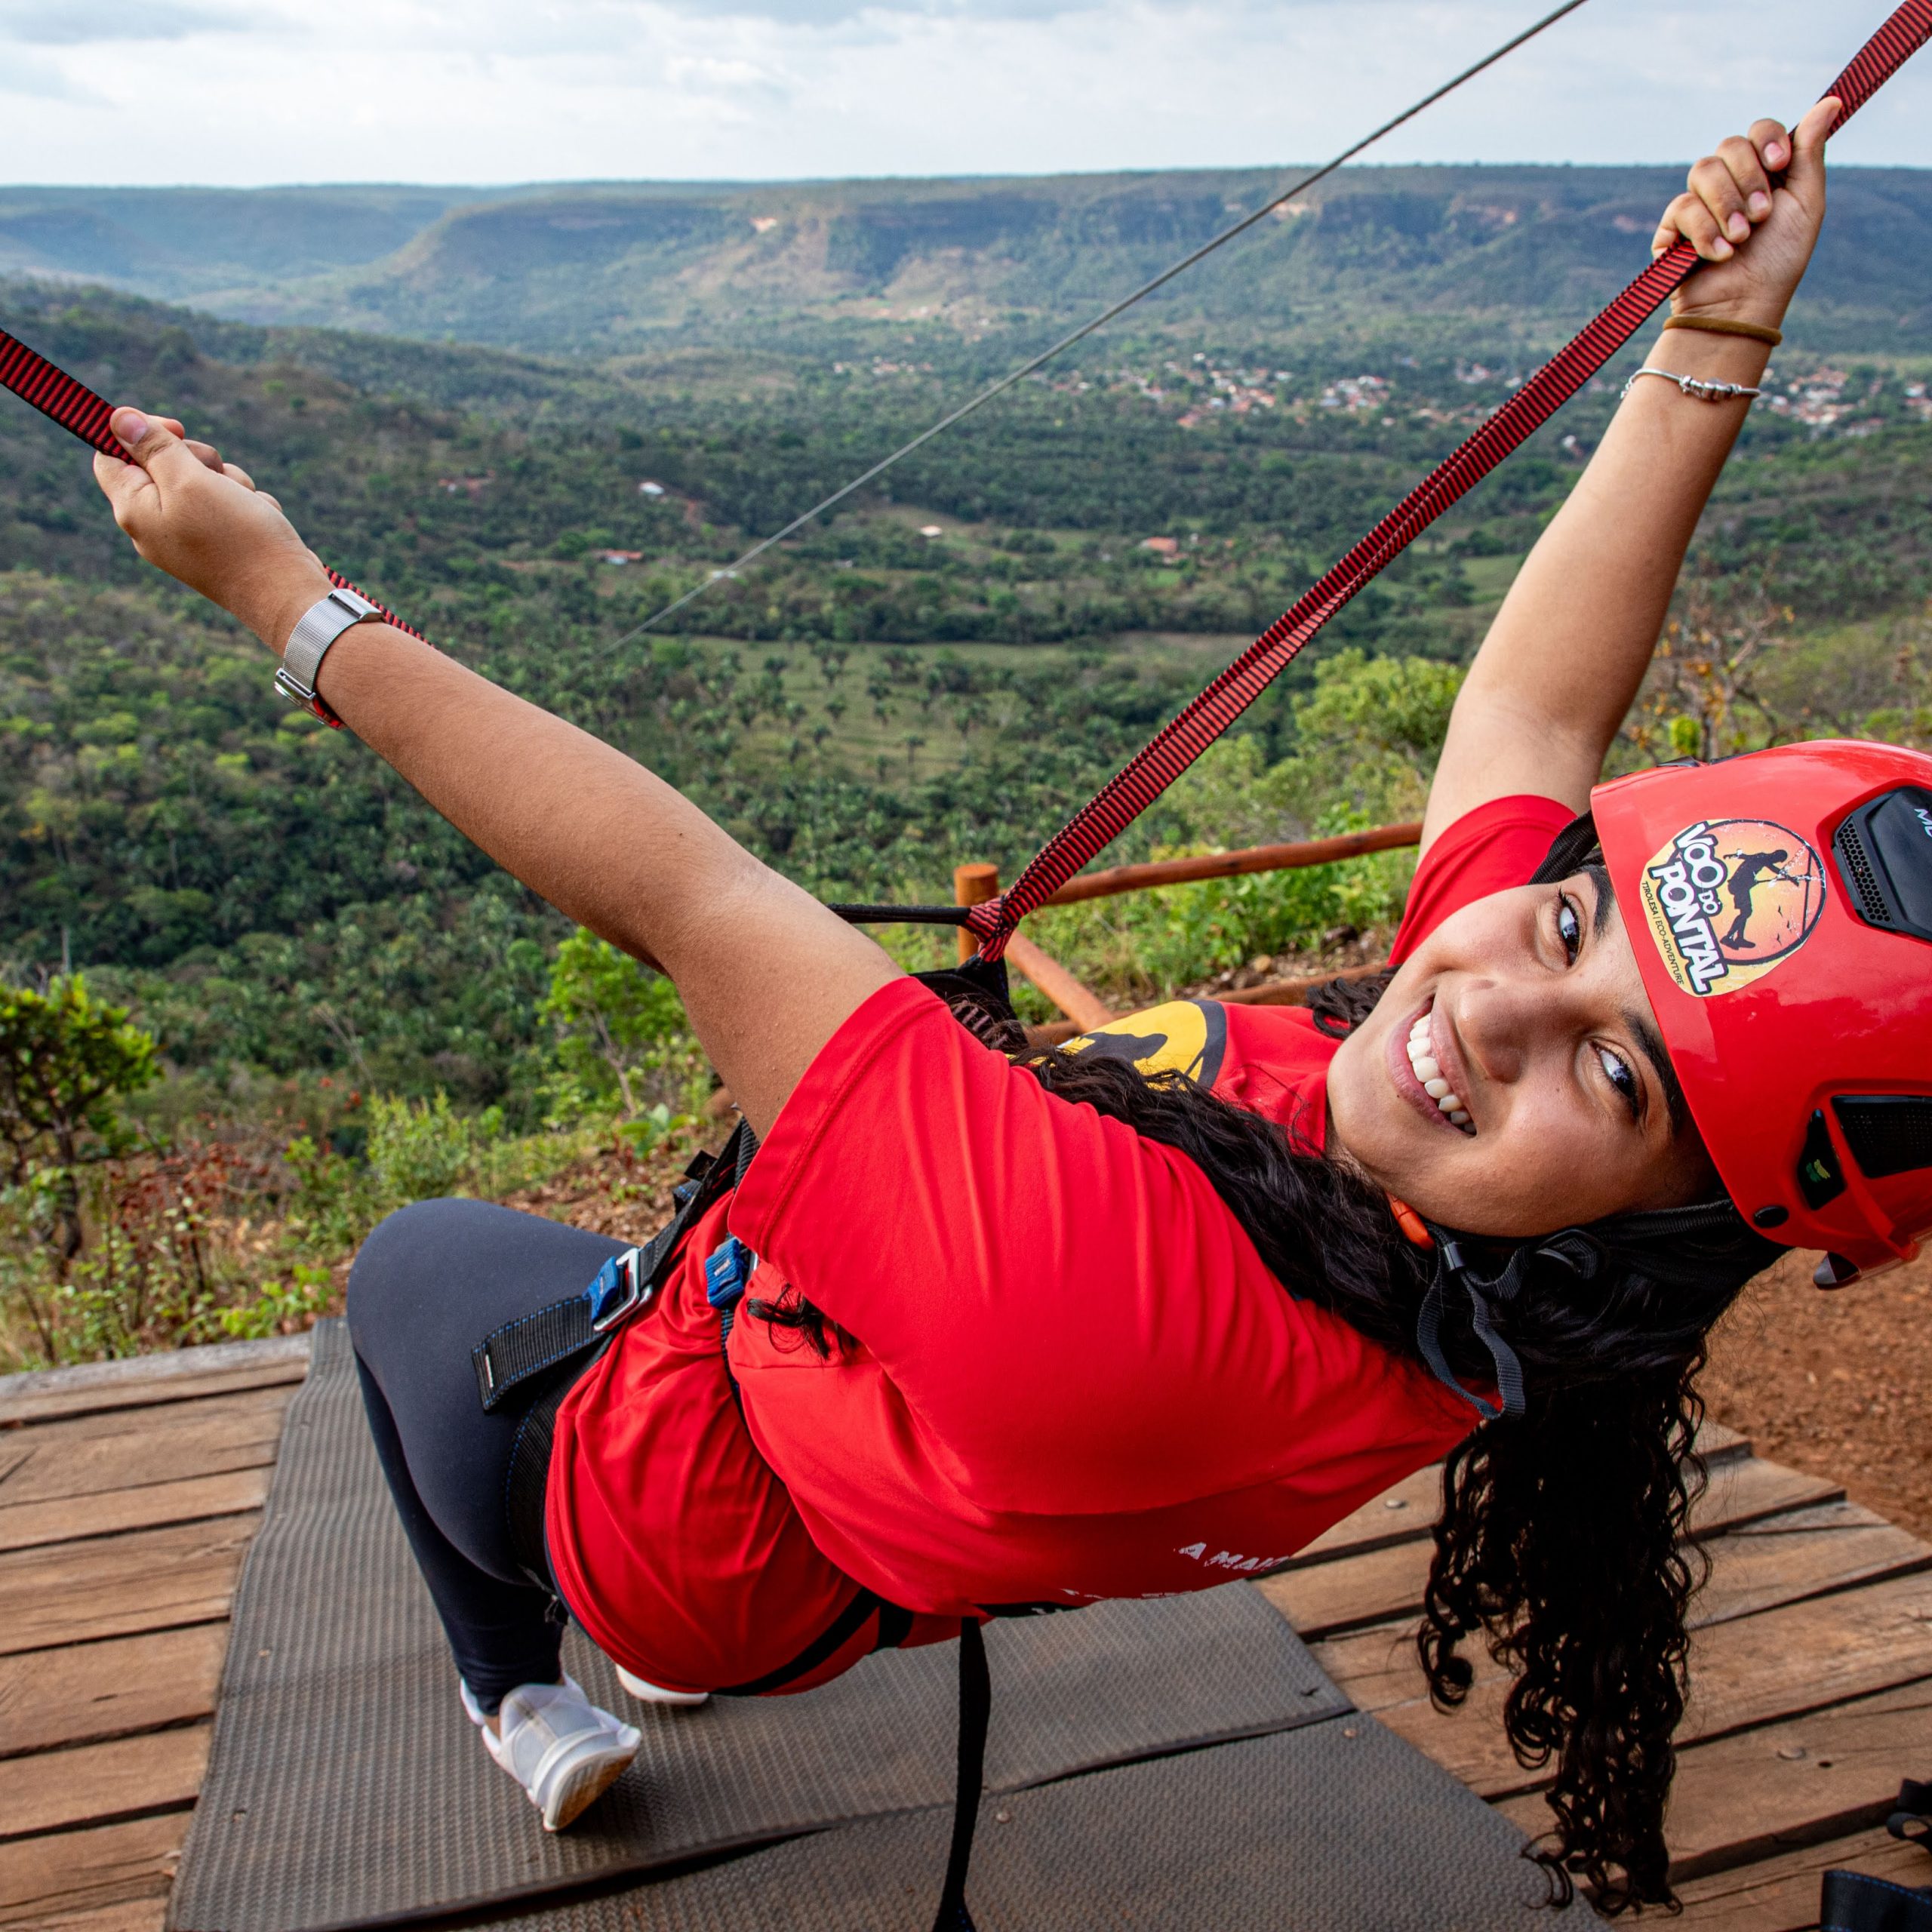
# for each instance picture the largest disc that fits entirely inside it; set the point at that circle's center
(1528, 1009)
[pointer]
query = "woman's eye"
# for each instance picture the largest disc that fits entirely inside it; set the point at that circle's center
(1617, 1072)
(1569, 928)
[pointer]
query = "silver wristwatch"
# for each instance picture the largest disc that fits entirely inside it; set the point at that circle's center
(308, 644)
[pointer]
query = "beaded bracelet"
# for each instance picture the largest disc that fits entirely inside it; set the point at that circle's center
(1694, 386)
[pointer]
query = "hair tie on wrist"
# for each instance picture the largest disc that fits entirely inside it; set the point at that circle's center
(1720, 325)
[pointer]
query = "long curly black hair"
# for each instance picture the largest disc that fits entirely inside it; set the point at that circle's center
(1560, 1537)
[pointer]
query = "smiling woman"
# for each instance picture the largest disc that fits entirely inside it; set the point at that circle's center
(978, 1332)
(1534, 1041)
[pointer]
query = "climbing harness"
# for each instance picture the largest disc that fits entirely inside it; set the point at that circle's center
(552, 1346)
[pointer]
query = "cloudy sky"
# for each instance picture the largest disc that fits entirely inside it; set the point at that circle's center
(242, 92)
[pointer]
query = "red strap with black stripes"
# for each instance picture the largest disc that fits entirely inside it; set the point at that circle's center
(77, 409)
(1136, 786)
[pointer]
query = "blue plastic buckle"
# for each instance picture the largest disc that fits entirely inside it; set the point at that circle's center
(727, 1272)
(617, 1291)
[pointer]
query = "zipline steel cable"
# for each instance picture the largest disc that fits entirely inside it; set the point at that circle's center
(1100, 321)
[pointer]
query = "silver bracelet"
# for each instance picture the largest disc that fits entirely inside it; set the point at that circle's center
(1693, 386)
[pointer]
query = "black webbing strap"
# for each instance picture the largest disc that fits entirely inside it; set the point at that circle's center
(1911, 1818)
(728, 1271)
(976, 1704)
(832, 1638)
(1855, 1902)
(533, 1344)
(526, 1483)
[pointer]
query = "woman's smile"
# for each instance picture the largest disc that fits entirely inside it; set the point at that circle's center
(1429, 1071)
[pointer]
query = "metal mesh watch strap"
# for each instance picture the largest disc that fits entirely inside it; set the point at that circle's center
(320, 625)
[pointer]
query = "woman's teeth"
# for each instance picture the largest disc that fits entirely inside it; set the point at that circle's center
(1430, 1073)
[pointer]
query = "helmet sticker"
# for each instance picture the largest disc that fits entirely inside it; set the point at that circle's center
(1728, 898)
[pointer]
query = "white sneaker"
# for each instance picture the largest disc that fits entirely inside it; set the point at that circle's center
(558, 1745)
(656, 1693)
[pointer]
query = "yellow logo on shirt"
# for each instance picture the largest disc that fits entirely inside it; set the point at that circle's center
(1187, 1036)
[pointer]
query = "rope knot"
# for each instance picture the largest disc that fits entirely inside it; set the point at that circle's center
(992, 924)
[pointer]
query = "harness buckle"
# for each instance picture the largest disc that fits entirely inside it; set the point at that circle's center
(619, 1291)
(726, 1272)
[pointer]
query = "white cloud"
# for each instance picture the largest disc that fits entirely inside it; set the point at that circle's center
(50, 23)
(496, 90)
(29, 75)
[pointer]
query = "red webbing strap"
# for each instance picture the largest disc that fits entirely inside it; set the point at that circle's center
(1131, 790)
(78, 410)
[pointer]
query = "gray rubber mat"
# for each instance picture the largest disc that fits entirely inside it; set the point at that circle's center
(1340, 1827)
(345, 1787)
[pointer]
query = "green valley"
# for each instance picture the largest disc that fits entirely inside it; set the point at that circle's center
(645, 380)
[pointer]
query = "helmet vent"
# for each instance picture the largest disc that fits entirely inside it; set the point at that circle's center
(1856, 866)
(1888, 1134)
(1884, 851)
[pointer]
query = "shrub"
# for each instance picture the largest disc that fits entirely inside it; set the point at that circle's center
(623, 1040)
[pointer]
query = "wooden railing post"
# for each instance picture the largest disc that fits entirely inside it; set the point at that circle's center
(973, 885)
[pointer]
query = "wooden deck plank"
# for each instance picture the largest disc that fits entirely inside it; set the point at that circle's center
(146, 1381)
(147, 1914)
(128, 1448)
(95, 1784)
(69, 1871)
(153, 1506)
(1376, 1666)
(1408, 1510)
(1753, 1671)
(1808, 1552)
(82, 1692)
(112, 1586)
(1780, 1893)
(1760, 1794)
(1825, 1546)
(1378, 1584)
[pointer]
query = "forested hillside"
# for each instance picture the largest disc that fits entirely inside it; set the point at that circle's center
(345, 1004)
(607, 267)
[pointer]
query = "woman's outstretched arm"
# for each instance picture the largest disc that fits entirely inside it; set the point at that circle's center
(766, 974)
(1563, 661)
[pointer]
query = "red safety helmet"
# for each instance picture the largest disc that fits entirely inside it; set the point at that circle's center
(1780, 906)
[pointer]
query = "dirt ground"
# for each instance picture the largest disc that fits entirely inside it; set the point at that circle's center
(1839, 1384)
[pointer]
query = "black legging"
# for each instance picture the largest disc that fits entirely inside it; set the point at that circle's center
(429, 1283)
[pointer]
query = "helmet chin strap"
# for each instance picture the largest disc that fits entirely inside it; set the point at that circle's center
(1681, 1247)
(1451, 1266)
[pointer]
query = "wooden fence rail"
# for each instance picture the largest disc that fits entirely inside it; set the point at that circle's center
(972, 884)
(1230, 864)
